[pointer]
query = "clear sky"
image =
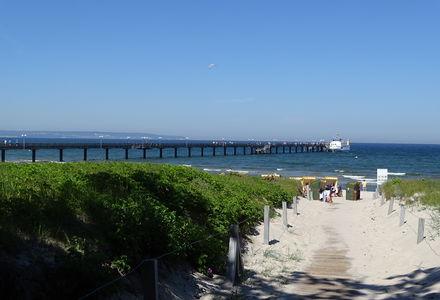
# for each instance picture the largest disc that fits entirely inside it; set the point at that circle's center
(369, 70)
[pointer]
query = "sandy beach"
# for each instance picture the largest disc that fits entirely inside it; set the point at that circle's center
(347, 250)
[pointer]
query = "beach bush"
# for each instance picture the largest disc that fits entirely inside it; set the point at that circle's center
(83, 223)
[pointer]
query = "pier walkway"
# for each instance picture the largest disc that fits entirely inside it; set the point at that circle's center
(238, 148)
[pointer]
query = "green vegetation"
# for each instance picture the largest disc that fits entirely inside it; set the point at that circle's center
(292, 187)
(70, 227)
(427, 191)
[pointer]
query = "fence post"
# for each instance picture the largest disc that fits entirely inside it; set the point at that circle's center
(266, 224)
(402, 215)
(234, 256)
(382, 200)
(240, 267)
(284, 215)
(421, 231)
(295, 205)
(150, 277)
(390, 208)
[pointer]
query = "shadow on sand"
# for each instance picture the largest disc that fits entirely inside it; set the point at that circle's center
(418, 284)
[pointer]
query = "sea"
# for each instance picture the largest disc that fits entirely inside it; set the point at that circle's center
(360, 163)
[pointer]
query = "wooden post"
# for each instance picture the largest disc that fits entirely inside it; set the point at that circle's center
(235, 264)
(189, 151)
(107, 153)
(149, 280)
(3, 155)
(421, 231)
(175, 152)
(382, 200)
(213, 150)
(85, 154)
(235, 150)
(202, 150)
(284, 215)
(244, 150)
(225, 150)
(61, 154)
(266, 224)
(295, 206)
(126, 153)
(161, 152)
(390, 208)
(240, 258)
(144, 153)
(276, 149)
(34, 155)
(290, 149)
(402, 215)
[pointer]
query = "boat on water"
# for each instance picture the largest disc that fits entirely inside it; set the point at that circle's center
(339, 145)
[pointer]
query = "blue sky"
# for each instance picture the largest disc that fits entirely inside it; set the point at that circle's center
(369, 70)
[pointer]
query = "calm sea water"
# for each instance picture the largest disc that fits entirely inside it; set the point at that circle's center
(405, 161)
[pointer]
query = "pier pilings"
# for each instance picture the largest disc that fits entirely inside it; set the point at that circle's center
(230, 148)
(61, 150)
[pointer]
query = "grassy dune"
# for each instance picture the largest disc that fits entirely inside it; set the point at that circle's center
(428, 190)
(69, 227)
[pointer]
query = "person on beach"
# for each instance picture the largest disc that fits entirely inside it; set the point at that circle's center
(306, 190)
(330, 195)
(321, 194)
(332, 191)
(327, 195)
(364, 185)
(339, 190)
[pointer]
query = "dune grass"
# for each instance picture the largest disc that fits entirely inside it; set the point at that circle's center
(426, 190)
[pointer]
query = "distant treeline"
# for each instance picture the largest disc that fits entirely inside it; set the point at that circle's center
(84, 135)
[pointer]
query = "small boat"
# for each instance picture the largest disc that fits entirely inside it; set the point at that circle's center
(339, 144)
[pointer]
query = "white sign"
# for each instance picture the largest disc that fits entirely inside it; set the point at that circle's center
(382, 176)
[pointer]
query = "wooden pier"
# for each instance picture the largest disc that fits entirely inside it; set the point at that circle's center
(218, 148)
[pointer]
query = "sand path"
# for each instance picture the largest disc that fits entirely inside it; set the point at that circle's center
(348, 250)
(328, 262)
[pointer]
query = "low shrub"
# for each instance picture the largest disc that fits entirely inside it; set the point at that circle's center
(103, 218)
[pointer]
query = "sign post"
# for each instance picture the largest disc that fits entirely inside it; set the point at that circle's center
(382, 176)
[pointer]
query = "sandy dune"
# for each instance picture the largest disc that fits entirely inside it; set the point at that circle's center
(348, 250)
